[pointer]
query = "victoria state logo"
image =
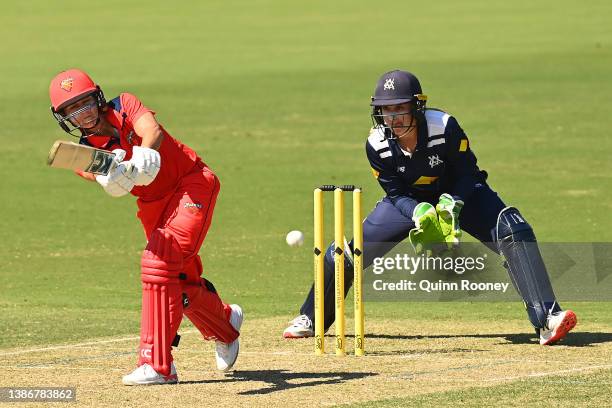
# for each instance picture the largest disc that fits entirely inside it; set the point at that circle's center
(434, 161)
(389, 84)
(66, 84)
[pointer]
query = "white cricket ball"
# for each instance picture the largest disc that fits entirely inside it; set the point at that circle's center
(295, 238)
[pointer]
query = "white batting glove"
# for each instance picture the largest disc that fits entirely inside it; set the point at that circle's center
(147, 161)
(120, 179)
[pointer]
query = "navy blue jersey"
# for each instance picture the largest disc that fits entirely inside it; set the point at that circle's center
(441, 163)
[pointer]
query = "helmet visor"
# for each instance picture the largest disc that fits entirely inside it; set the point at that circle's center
(397, 119)
(82, 117)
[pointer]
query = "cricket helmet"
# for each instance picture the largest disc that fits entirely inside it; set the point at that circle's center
(394, 88)
(68, 87)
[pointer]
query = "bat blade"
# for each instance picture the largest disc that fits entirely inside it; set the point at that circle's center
(73, 156)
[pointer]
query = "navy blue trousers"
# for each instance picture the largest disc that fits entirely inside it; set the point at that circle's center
(385, 227)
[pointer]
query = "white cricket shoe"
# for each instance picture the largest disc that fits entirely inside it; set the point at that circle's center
(226, 354)
(146, 375)
(557, 327)
(300, 327)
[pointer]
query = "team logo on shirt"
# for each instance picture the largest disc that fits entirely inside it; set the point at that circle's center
(389, 84)
(66, 84)
(193, 208)
(434, 161)
(401, 169)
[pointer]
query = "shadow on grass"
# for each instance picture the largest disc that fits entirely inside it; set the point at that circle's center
(279, 380)
(573, 339)
(584, 339)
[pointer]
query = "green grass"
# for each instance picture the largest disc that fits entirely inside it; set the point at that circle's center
(274, 96)
(589, 390)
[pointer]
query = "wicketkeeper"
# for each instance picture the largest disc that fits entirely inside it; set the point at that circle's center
(176, 195)
(435, 191)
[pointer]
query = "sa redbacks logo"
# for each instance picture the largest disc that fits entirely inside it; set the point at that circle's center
(66, 84)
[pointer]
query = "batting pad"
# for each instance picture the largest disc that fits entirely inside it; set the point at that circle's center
(162, 307)
(208, 313)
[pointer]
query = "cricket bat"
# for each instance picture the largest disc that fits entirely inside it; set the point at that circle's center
(73, 156)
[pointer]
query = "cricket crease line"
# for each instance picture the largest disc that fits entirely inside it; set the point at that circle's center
(77, 345)
(61, 368)
(72, 360)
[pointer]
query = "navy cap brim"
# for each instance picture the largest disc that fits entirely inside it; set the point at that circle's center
(386, 102)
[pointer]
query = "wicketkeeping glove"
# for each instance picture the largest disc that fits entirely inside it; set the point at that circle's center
(448, 210)
(147, 161)
(427, 234)
(120, 179)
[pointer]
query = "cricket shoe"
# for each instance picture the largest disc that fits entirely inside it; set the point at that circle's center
(146, 375)
(227, 353)
(300, 327)
(557, 327)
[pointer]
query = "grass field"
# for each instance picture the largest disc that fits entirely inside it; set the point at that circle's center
(274, 96)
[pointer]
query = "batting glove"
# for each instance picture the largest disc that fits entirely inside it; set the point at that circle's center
(120, 179)
(448, 209)
(147, 162)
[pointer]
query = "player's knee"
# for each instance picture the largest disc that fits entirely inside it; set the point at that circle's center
(162, 259)
(192, 292)
(512, 227)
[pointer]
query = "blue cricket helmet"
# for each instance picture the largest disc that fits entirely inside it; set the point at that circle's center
(396, 87)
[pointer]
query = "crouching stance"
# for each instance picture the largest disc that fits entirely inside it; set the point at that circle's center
(176, 194)
(434, 190)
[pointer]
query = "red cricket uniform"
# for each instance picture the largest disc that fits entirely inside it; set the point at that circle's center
(175, 211)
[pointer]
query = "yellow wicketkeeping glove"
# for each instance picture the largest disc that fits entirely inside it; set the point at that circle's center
(427, 234)
(448, 210)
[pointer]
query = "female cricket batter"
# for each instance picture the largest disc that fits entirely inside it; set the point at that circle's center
(423, 161)
(176, 196)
